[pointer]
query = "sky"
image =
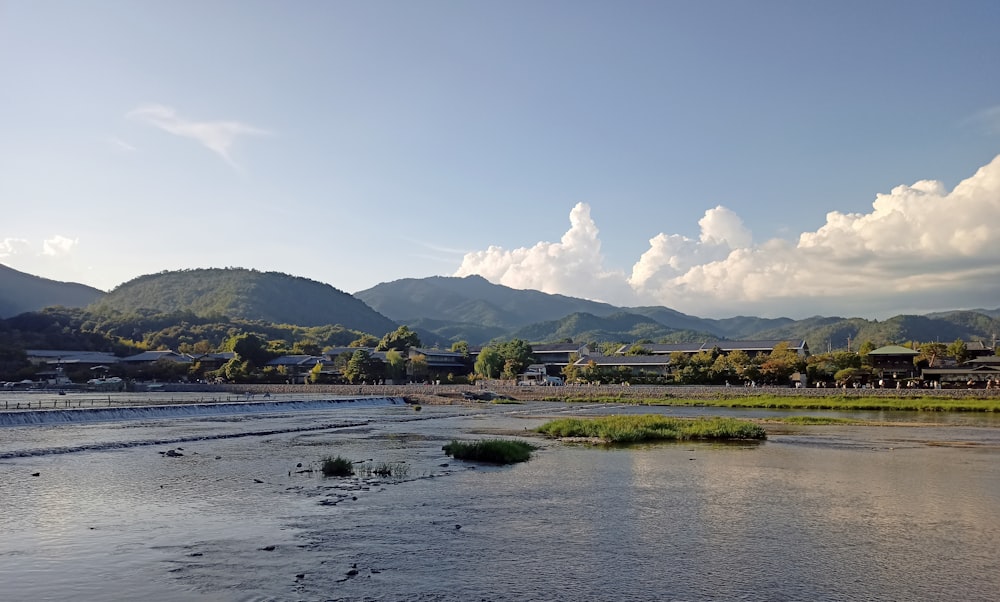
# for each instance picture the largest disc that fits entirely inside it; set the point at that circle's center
(771, 158)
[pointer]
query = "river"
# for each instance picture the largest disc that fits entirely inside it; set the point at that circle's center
(93, 508)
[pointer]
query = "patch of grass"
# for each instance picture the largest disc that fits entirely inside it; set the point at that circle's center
(814, 420)
(337, 467)
(652, 427)
(395, 470)
(505, 400)
(494, 451)
(417, 408)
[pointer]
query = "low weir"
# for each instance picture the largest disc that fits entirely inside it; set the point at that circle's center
(190, 410)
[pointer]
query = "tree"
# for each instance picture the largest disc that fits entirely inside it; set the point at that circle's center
(395, 365)
(360, 367)
(517, 356)
(460, 347)
(959, 350)
(930, 353)
(866, 348)
(250, 348)
(306, 347)
(400, 339)
(489, 363)
(571, 372)
(365, 340)
(316, 373)
(418, 366)
(780, 364)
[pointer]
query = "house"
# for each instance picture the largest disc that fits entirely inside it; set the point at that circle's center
(658, 365)
(974, 373)
(893, 361)
(67, 358)
(558, 354)
(440, 362)
(297, 368)
(150, 357)
(751, 348)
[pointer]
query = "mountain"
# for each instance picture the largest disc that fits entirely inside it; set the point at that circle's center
(475, 310)
(246, 294)
(473, 300)
(622, 326)
(20, 292)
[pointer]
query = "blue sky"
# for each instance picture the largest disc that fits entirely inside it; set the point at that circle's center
(720, 157)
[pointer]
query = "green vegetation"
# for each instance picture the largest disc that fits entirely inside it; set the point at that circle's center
(396, 470)
(246, 294)
(814, 420)
(337, 467)
(651, 427)
(494, 451)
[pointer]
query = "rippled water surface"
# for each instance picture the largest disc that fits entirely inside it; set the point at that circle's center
(814, 513)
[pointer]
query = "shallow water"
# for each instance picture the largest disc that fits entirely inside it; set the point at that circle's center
(814, 513)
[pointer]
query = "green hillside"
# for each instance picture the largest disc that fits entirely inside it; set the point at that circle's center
(246, 294)
(20, 292)
(474, 300)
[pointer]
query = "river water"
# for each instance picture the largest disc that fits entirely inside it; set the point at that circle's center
(92, 508)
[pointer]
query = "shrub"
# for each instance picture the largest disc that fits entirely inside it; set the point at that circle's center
(494, 451)
(337, 467)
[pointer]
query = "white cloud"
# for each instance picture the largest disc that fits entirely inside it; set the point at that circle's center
(573, 264)
(12, 246)
(58, 246)
(921, 248)
(121, 144)
(217, 136)
(989, 119)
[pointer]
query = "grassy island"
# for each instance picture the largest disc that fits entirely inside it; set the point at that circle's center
(652, 427)
(494, 451)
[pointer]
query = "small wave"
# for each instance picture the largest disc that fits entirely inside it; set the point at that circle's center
(158, 412)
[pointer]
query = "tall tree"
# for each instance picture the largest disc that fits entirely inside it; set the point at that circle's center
(400, 339)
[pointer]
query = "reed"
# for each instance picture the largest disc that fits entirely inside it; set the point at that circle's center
(337, 467)
(494, 451)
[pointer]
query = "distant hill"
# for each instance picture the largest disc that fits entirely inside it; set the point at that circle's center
(20, 292)
(473, 300)
(825, 333)
(475, 310)
(622, 326)
(247, 294)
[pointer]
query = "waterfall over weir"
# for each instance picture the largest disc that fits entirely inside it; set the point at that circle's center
(192, 410)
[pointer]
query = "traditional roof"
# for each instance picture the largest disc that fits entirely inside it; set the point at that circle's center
(66, 356)
(298, 360)
(624, 360)
(152, 356)
(894, 350)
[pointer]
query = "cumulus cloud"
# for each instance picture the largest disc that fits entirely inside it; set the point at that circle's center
(921, 248)
(573, 264)
(58, 246)
(217, 136)
(12, 246)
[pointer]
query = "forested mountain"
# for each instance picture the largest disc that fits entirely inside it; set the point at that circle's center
(248, 295)
(20, 292)
(473, 300)
(836, 333)
(622, 326)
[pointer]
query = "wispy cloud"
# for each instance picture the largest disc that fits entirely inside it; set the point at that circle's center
(988, 119)
(217, 136)
(12, 246)
(58, 245)
(921, 248)
(121, 144)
